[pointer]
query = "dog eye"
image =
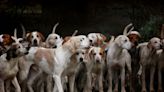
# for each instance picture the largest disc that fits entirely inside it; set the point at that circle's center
(77, 53)
(94, 54)
(21, 41)
(81, 40)
(37, 35)
(18, 46)
(125, 40)
(83, 53)
(155, 42)
(56, 37)
(100, 53)
(32, 36)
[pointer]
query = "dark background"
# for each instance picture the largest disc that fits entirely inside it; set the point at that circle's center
(106, 16)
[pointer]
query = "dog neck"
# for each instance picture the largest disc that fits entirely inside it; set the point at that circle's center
(67, 49)
(116, 50)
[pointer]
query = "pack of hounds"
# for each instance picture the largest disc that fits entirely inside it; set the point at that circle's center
(80, 63)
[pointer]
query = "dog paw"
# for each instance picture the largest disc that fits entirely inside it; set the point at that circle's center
(144, 90)
(160, 90)
(115, 90)
(152, 90)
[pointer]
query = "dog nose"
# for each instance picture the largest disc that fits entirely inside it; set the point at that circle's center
(35, 41)
(55, 46)
(81, 59)
(98, 61)
(90, 41)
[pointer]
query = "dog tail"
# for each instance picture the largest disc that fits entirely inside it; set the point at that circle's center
(126, 29)
(75, 32)
(24, 31)
(15, 33)
(55, 26)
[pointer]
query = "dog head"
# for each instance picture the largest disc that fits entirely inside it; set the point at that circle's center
(35, 38)
(54, 41)
(6, 40)
(16, 50)
(123, 42)
(134, 37)
(77, 42)
(154, 43)
(96, 39)
(79, 56)
(96, 54)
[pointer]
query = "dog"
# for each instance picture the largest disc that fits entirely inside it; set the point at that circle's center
(95, 67)
(5, 42)
(9, 64)
(117, 58)
(160, 61)
(134, 38)
(96, 39)
(148, 59)
(35, 38)
(73, 68)
(54, 61)
(54, 40)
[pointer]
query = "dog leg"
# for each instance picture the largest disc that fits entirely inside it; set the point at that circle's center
(110, 80)
(130, 75)
(58, 83)
(143, 80)
(116, 84)
(88, 87)
(123, 80)
(152, 71)
(49, 82)
(31, 80)
(71, 82)
(2, 86)
(159, 80)
(7, 85)
(100, 78)
(16, 84)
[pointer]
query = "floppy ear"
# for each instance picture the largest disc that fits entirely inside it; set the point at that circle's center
(11, 53)
(73, 58)
(66, 39)
(150, 45)
(41, 35)
(28, 36)
(118, 41)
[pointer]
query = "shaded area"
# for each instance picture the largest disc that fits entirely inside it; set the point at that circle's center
(106, 16)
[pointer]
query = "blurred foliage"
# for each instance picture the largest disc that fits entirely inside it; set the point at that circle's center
(151, 28)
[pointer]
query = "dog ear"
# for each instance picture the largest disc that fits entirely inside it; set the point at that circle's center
(66, 39)
(41, 35)
(73, 58)
(28, 36)
(11, 53)
(118, 41)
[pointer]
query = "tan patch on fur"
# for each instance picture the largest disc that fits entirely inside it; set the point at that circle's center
(44, 53)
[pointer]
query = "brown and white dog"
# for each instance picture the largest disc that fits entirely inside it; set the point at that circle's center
(9, 64)
(54, 61)
(134, 38)
(117, 58)
(95, 65)
(35, 38)
(148, 59)
(96, 39)
(73, 67)
(161, 60)
(5, 41)
(53, 40)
